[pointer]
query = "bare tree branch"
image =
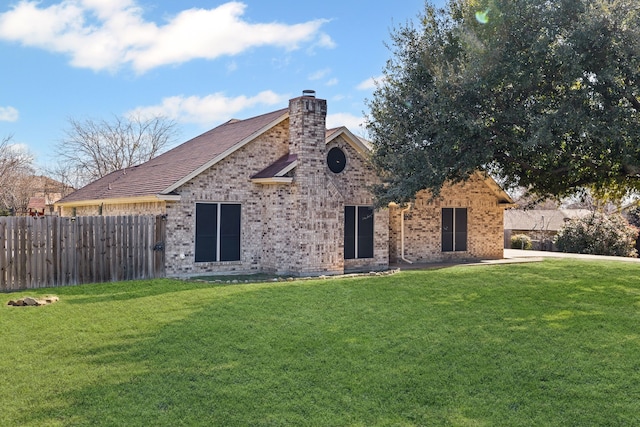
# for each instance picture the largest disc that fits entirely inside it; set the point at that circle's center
(15, 168)
(92, 148)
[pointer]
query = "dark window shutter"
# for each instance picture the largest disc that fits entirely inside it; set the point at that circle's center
(461, 230)
(206, 232)
(447, 229)
(349, 232)
(229, 232)
(365, 232)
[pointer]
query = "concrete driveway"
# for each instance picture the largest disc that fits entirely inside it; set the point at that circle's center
(511, 256)
(516, 254)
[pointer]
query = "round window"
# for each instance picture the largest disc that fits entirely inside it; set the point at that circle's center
(336, 160)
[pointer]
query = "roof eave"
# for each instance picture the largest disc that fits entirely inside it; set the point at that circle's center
(287, 169)
(353, 140)
(154, 198)
(504, 200)
(273, 180)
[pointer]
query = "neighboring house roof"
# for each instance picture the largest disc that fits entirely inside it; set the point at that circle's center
(37, 203)
(41, 202)
(166, 172)
(543, 219)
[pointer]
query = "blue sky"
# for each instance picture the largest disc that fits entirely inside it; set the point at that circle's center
(199, 62)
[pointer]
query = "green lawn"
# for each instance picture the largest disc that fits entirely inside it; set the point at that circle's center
(541, 344)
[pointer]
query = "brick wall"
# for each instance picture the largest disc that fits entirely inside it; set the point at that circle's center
(352, 185)
(227, 181)
(423, 224)
(295, 228)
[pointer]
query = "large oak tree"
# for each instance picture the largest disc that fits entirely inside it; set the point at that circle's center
(543, 94)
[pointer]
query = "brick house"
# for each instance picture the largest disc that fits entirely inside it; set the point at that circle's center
(280, 193)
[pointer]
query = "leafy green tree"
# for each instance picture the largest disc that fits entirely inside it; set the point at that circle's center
(598, 234)
(542, 94)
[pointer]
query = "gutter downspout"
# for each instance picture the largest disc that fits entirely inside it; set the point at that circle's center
(402, 234)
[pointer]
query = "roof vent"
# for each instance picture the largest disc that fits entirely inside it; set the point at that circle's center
(309, 92)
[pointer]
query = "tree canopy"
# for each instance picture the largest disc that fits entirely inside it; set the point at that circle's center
(95, 148)
(542, 94)
(16, 167)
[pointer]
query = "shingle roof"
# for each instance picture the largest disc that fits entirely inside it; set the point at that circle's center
(161, 174)
(276, 168)
(540, 219)
(36, 203)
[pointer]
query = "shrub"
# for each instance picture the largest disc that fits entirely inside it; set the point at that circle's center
(521, 241)
(634, 216)
(598, 234)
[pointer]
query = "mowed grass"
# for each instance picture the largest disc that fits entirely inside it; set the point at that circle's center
(541, 344)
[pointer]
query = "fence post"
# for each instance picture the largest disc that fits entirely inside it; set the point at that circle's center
(159, 245)
(3, 256)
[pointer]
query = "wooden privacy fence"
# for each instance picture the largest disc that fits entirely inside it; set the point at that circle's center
(53, 251)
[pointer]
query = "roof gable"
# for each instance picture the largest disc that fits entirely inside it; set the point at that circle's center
(275, 173)
(166, 172)
(359, 144)
(503, 198)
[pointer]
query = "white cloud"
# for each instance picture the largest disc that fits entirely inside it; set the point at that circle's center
(354, 123)
(8, 114)
(107, 34)
(320, 74)
(370, 84)
(209, 109)
(324, 40)
(232, 66)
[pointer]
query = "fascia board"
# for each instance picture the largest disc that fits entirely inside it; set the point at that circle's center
(273, 180)
(353, 140)
(499, 191)
(121, 200)
(287, 169)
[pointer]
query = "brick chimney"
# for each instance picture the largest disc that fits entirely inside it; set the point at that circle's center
(317, 233)
(307, 126)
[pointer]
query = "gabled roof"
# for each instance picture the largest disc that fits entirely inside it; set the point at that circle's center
(166, 172)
